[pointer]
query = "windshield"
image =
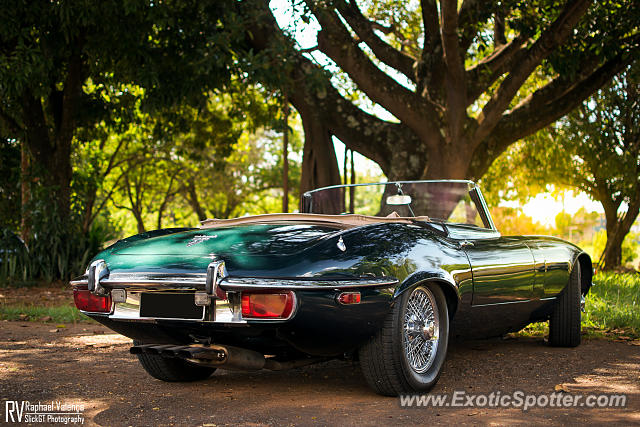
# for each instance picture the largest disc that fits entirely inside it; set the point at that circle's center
(453, 202)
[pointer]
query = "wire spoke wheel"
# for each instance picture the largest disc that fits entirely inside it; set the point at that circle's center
(421, 330)
(407, 354)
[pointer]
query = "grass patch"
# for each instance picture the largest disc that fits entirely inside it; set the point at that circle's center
(613, 304)
(612, 309)
(61, 314)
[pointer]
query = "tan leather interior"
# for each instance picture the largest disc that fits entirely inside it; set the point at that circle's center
(345, 221)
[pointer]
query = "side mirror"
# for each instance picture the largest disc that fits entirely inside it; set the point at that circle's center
(399, 199)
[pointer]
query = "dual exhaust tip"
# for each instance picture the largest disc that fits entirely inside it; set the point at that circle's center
(225, 357)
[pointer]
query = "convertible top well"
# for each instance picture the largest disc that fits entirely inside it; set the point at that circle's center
(345, 221)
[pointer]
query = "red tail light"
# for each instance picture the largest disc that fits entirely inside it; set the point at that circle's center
(278, 305)
(86, 301)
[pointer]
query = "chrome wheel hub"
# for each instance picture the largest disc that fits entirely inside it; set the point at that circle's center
(421, 329)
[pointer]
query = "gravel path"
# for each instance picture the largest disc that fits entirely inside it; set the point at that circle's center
(87, 365)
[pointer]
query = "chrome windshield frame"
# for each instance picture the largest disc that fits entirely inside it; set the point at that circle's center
(482, 207)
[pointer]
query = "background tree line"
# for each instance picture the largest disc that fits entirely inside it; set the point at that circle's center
(171, 112)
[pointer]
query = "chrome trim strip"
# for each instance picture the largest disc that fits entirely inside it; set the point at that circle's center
(82, 280)
(502, 303)
(130, 311)
(514, 302)
(239, 283)
(198, 281)
(484, 206)
(420, 181)
(195, 279)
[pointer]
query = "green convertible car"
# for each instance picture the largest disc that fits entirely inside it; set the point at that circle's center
(384, 273)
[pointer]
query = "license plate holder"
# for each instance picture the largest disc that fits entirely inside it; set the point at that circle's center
(170, 305)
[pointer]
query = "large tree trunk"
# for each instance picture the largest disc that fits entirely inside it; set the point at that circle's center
(612, 255)
(49, 125)
(51, 155)
(25, 193)
(191, 195)
(139, 221)
(319, 162)
(617, 229)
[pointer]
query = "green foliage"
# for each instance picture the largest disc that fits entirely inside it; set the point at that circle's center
(13, 256)
(594, 149)
(144, 42)
(513, 222)
(184, 164)
(70, 74)
(573, 227)
(614, 302)
(58, 248)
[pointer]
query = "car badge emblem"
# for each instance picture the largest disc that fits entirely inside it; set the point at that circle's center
(199, 239)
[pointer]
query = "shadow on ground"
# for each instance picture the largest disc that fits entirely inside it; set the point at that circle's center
(86, 364)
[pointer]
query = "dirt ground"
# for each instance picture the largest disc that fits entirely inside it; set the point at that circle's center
(44, 295)
(87, 364)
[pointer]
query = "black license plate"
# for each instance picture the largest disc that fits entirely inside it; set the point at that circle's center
(169, 305)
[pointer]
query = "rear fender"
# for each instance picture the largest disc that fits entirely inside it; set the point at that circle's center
(441, 278)
(586, 272)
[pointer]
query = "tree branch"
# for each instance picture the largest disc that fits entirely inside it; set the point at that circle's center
(543, 107)
(112, 159)
(552, 37)
(168, 195)
(487, 71)
(383, 51)
(360, 131)
(430, 70)
(94, 213)
(311, 88)
(334, 40)
(499, 38)
(71, 96)
(430, 24)
(455, 78)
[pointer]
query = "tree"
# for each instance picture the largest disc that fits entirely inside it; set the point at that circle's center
(9, 185)
(51, 50)
(458, 79)
(184, 164)
(595, 149)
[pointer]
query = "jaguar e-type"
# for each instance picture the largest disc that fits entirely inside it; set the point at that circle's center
(383, 273)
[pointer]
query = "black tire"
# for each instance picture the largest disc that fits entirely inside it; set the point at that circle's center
(384, 361)
(172, 369)
(565, 321)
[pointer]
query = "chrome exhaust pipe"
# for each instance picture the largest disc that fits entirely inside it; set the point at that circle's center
(225, 357)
